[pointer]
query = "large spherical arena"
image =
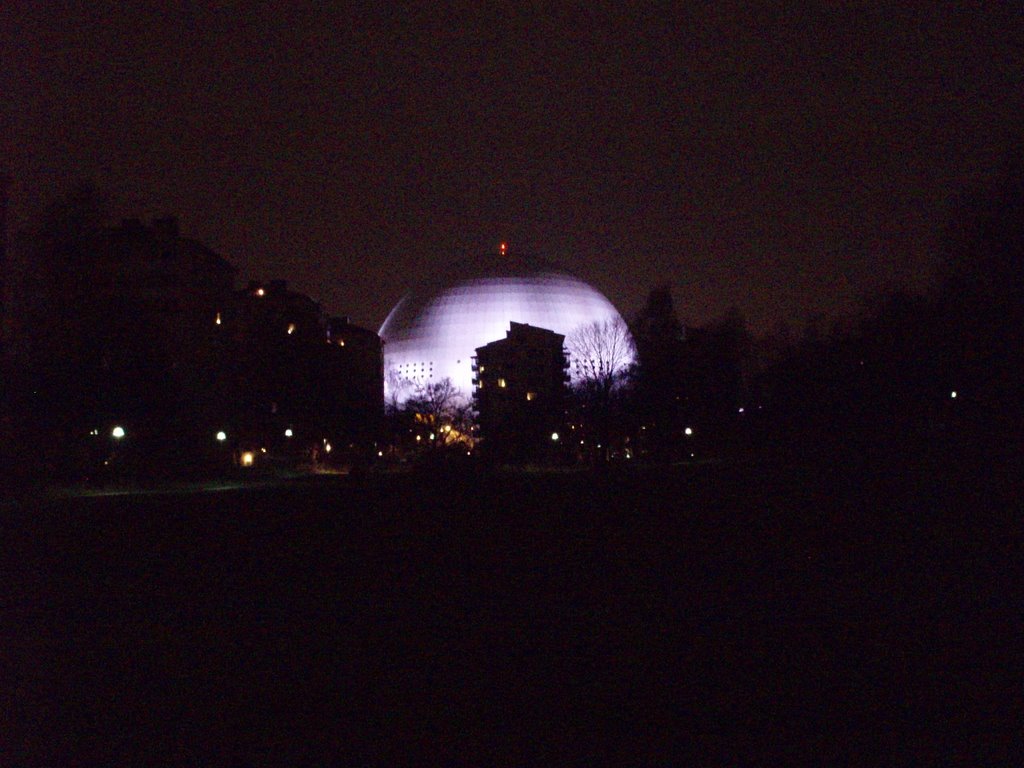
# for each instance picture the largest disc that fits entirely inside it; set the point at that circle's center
(433, 333)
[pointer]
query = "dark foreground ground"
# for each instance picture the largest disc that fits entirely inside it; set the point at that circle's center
(715, 615)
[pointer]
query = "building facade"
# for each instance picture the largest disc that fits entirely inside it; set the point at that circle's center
(520, 393)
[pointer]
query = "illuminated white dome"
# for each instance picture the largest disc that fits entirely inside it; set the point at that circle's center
(432, 334)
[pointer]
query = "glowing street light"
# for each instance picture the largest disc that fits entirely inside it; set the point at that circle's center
(288, 432)
(554, 437)
(688, 431)
(222, 436)
(953, 394)
(117, 432)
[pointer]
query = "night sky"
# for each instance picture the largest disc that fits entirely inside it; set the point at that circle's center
(785, 158)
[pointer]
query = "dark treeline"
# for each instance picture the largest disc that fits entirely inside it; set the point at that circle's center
(916, 375)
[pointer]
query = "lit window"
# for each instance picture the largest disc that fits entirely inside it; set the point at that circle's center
(531, 395)
(291, 328)
(481, 369)
(502, 383)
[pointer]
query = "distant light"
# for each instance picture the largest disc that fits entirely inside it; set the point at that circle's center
(222, 436)
(260, 292)
(341, 342)
(247, 459)
(503, 248)
(117, 432)
(531, 395)
(953, 394)
(418, 438)
(94, 432)
(291, 328)
(502, 383)
(742, 410)
(217, 319)
(432, 435)
(380, 453)
(688, 431)
(554, 436)
(692, 455)
(263, 450)
(288, 432)
(327, 447)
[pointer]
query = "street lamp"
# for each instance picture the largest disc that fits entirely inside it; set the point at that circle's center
(222, 436)
(688, 431)
(554, 437)
(117, 432)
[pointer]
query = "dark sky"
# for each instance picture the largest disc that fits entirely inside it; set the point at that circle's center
(787, 158)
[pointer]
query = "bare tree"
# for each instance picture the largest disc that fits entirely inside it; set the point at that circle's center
(445, 411)
(601, 354)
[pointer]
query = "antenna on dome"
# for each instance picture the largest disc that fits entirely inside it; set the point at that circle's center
(503, 249)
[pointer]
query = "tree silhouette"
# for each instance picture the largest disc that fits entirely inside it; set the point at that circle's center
(601, 357)
(441, 408)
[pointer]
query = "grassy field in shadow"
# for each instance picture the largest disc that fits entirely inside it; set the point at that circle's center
(713, 614)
